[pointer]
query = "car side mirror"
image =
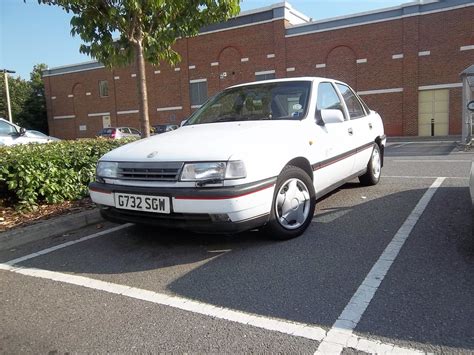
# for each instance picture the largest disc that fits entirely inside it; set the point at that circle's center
(470, 106)
(183, 122)
(22, 131)
(332, 116)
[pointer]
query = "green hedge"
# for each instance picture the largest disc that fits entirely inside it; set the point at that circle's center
(55, 172)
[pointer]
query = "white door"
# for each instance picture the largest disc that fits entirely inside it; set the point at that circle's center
(433, 113)
(106, 122)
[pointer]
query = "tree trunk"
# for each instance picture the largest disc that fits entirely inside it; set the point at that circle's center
(142, 91)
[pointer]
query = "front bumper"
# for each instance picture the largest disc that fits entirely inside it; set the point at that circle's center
(230, 209)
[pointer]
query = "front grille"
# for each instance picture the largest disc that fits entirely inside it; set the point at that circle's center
(156, 171)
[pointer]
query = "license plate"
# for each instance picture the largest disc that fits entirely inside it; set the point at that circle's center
(146, 203)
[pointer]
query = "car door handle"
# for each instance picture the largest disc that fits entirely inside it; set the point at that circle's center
(370, 125)
(350, 131)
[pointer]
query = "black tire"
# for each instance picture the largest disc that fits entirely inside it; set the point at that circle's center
(303, 185)
(372, 176)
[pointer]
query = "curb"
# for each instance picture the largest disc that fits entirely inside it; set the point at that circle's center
(49, 228)
(398, 139)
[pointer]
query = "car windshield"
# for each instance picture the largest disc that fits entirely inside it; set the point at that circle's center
(286, 100)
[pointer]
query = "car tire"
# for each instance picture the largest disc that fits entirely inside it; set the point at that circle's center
(293, 205)
(372, 176)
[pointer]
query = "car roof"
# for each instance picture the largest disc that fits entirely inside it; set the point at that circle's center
(283, 80)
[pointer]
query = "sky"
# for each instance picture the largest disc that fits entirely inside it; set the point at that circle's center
(31, 33)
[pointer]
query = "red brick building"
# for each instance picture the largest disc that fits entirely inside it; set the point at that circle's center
(404, 61)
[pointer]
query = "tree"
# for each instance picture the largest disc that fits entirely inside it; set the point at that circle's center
(33, 115)
(20, 91)
(27, 100)
(145, 29)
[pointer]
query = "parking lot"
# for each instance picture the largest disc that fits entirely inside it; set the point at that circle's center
(388, 268)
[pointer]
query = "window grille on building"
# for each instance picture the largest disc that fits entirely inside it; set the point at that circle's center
(103, 88)
(266, 76)
(198, 92)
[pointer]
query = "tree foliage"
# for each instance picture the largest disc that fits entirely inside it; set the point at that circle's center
(120, 32)
(27, 100)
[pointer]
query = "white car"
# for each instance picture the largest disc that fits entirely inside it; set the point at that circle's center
(256, 155)
(12, 134)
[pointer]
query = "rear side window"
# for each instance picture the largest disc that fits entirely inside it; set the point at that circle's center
(352, 102)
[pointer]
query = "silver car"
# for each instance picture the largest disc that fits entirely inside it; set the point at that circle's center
(12, 134)
(119, 132)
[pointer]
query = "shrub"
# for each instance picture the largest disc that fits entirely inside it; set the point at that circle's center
(52, 173)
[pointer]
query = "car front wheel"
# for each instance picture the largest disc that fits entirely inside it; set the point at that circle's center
(293, 204)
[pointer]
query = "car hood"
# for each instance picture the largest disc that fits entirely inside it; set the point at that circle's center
(209, 142)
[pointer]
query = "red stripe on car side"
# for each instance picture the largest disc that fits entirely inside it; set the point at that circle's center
(324, 164)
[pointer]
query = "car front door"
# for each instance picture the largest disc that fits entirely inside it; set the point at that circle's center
(361, 124)
(331, 150)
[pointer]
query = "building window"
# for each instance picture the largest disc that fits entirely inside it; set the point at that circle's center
(265, 75)
(103, 88)
(198, 91)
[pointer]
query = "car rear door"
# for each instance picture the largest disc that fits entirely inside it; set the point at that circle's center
(361, 125)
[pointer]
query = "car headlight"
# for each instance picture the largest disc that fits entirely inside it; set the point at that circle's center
(107, 169)
(213, 171)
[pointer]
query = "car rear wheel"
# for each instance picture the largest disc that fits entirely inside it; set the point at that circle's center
(293, 204)
(374, 167)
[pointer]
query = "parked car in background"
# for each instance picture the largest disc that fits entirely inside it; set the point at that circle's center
(256, 155)
(12, 134)
(162, 128)
(119, 132)
(40, 135)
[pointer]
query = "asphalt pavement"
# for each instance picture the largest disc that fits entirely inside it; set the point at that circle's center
(382, 268)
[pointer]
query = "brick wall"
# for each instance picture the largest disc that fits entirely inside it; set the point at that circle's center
(360, 55)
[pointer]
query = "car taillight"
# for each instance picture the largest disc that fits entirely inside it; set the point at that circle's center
(113, 134)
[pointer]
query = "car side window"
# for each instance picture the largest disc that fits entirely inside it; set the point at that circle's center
(352, 102)
(125, 130)
(134, 131)
(328, 98)
(6, 129)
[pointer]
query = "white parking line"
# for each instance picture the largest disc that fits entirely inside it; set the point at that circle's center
(303, 330)
(341, 333)
(67, 244)
(279, 325)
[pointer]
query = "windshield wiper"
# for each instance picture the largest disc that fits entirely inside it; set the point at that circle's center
(227, 119)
